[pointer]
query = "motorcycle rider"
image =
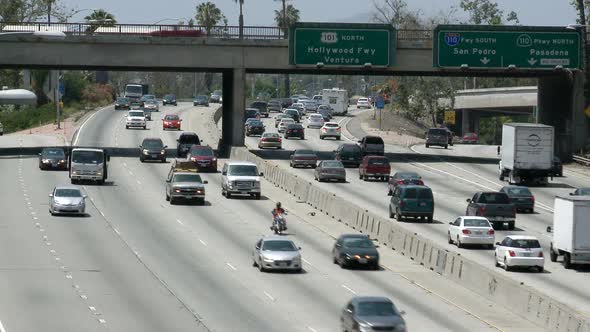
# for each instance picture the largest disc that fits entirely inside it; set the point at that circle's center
(278, 210)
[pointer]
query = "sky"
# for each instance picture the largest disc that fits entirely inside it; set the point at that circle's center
(261, 12)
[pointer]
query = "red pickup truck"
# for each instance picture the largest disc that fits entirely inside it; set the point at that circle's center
(376, 167)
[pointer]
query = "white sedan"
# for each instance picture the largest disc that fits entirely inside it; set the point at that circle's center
(471, 230)
(331, 129)
(519, 251)
(284, 124)
(363, 103)
(315, 121)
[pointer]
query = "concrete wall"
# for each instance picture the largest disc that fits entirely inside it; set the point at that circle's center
(521, 299)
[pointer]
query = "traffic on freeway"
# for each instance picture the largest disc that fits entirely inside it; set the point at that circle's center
(188, 243)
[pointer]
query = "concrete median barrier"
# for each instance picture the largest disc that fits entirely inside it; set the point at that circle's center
(483, 280)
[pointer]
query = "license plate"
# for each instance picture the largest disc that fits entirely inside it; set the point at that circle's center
(526, 254)
(422, 204)
(351, 158)
(478, 233)
(154, 155)
(363, 260)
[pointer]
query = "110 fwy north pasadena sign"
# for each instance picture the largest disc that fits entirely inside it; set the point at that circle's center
(341, 45)
(497, 47)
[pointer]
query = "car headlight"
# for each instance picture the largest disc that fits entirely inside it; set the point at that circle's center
(176, 190)
(46, 160)
(256, 184)
(99, 173)
(267, 260)
(230, 184)
(145, 151)
(74, 172)
(62, 161)
(163, 151)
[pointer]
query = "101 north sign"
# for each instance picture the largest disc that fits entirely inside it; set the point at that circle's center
(341, 45)
(506, 47)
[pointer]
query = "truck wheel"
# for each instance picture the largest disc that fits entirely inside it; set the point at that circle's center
(167, 198)
(446, 146)
(391, 214)
(172, 200)
(511, 226)
(427, 146)
(398, 216)
(552, 255)
(430, 219)
(567, 261)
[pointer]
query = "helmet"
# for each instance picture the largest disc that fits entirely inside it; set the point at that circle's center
(278, 205)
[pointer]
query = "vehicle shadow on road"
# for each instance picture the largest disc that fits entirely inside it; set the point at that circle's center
(72, 217)
(555, 185)
(94, 184)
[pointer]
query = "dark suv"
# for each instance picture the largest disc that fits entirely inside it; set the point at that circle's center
(185, 141)
(262, 107)
(438, 137)
(372, 145)
(152, 149)
(411, 201)
(349, 155)
(169, 100)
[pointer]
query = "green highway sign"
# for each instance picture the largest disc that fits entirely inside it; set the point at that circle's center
(341, 45)
(497, 47)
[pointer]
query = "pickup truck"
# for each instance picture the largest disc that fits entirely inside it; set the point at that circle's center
(183, 182)
(495, 206)
(376, 167)
(372, 145)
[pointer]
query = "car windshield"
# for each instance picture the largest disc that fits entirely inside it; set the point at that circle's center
(525, 243)
(273, 135)
(332, 164)
(295, 126)
(152, 144)
(376, 308)
(147, 97)
(189, 139)
(316, 117)
(171, 117)
(584, 191)
(259, 104)
(122, 100)
(151, 102)
(363, 99)
(242, 170)
(278, 245)
(332, 125)
(494, 198)
(406, 175)
(53, 153)
(187, 178)
(217, 92)
(136, 114)
(374, 140)
(202, 152)
(350, 148)
(255, 123)
(437, 132)
(476, 223)
(378, 161)
(251, 113)
(67, 193)
(518, 191)
(169, 97)
(201, 97)
(287, 121)
(357, 242)
(133, 89)
(87, 157)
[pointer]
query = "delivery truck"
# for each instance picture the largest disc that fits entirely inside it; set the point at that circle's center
(337, 99)
(571, 230)
(527, 153)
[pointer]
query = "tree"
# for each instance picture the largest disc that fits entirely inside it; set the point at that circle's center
(287, 17)
(396, 13)
(583, 6)
(29, 10)
(100, 18)
(241, 19)
(208, 15)
(486, 12)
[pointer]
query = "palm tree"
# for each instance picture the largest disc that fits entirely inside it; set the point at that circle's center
(99, 18)
(241, 2)
(285, 18)
(208, 15)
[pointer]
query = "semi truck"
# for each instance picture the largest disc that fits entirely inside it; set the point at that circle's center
(88, 164)
(337, 99)
(571, 230)
(527, 153)
(134, 92)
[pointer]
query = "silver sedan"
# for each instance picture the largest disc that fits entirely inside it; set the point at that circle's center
(276, 253)
(330, 170)
(67, 200)
(270, 140)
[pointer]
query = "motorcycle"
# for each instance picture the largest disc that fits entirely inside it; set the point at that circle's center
(279, 224)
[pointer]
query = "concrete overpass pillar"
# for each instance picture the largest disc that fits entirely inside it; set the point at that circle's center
(234, 100)
(470, 122)
(561, 105)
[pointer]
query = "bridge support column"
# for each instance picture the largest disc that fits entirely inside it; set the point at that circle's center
(561, 105)
(234, 100)
(469, 122)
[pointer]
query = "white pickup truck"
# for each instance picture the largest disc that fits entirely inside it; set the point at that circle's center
(135, 118)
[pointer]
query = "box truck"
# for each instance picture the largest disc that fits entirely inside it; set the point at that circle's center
(337, 99)
(527, 153)
(134, 92)
(571, 230)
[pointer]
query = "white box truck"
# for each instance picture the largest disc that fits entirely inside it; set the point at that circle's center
(337, 99)
(527, 153)
(571, 230)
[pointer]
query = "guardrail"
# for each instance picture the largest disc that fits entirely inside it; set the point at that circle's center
(170, 30)
(581, 160)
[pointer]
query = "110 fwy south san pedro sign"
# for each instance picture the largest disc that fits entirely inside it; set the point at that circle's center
(341, 45)
(498, 47)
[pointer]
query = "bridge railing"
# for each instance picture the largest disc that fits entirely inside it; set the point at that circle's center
(150, 30)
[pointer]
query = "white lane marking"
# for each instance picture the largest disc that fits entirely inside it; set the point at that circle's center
(311, 329)
(180, 222)
(91, 308)
(307, 262)
(130, 173)
(101, 213)
(68, 276)
(102, 321)
(231, 266)
(84, 297)
(269, 296)
(2, 329)
(349, 289)
(117, 231)
(83, 124)
(203, 242)
(136, 253)
(139, 182)
(125, 164)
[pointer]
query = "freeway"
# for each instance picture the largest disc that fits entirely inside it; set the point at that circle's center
(137, 263)
(452, 183)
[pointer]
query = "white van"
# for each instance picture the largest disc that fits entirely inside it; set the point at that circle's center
(337, 99)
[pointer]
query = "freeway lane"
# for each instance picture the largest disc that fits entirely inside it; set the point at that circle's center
(203, 253)
(452, 183)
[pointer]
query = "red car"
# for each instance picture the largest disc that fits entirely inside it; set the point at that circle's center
(203, 157)
(470, 138)
(376, 167)
(171, 121)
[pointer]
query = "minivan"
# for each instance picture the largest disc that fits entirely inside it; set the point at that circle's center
(438, 137)
(349, 154)
(412, 201)
(240, 178)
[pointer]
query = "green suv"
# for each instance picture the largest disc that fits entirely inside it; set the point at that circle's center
(412, 201)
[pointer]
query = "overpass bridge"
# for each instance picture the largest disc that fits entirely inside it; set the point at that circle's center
(260, 50)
